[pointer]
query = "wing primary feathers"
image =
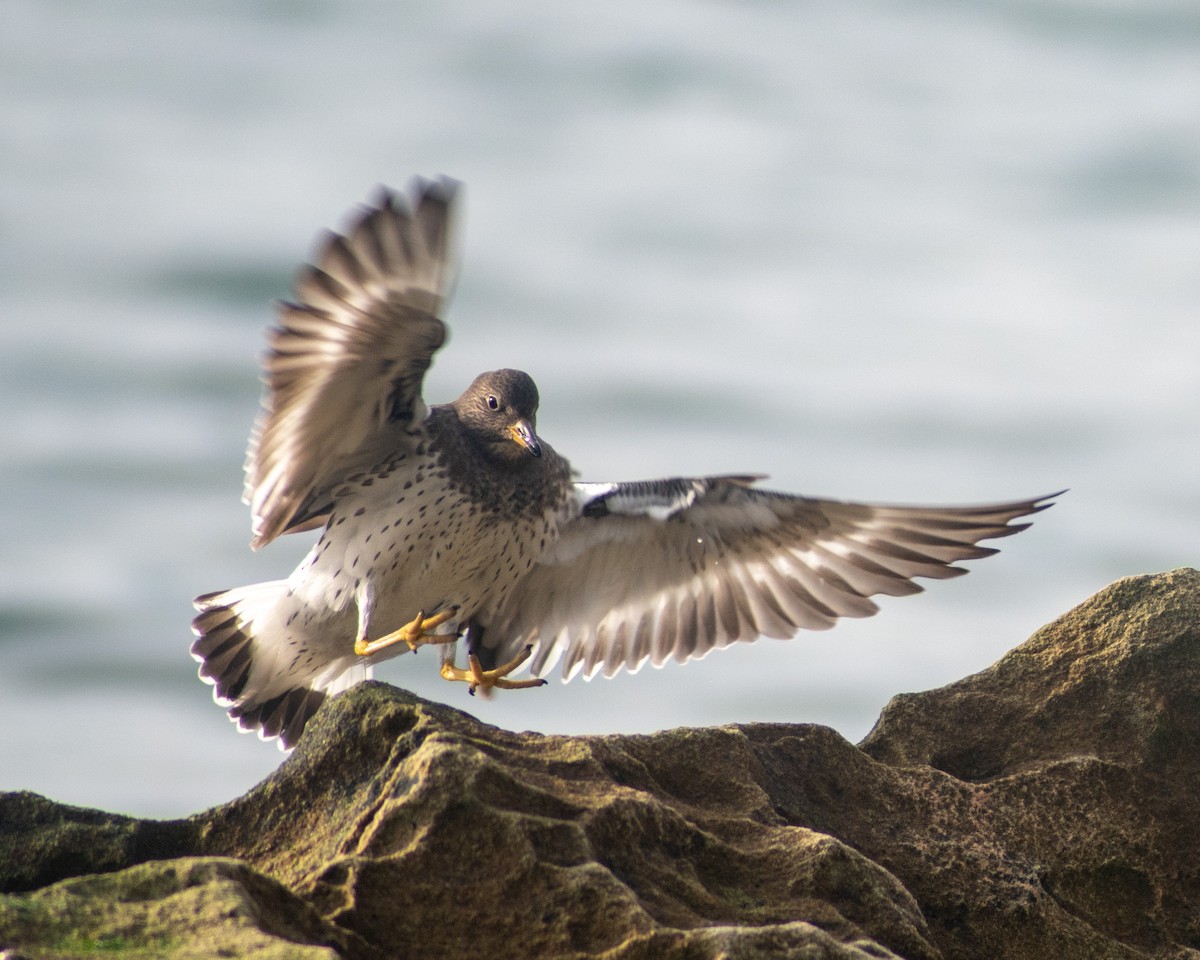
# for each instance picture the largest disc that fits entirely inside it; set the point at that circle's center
(671, 569)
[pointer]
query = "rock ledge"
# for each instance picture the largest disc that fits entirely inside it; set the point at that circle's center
(1045, 807)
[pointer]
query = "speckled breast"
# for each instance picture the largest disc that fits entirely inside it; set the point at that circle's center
(410, 537)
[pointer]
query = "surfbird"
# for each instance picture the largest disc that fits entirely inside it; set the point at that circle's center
(458, 523)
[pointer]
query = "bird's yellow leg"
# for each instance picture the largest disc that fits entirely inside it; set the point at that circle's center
(478, 678)
(413, 633)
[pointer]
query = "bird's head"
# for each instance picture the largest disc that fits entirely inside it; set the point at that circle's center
(499, 412)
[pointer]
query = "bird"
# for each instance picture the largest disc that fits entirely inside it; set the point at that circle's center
(456, 525)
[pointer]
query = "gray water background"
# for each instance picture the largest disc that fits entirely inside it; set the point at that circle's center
(903, 251)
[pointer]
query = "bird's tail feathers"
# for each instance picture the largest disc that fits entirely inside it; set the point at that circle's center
(256, 664)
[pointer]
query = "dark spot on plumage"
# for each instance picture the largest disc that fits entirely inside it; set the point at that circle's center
(342, 492)
(339, 521)
(407, 486)
(368, 482)
(360, 511)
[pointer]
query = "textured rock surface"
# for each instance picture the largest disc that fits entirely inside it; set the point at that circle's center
(1045, 807)
(180, 908)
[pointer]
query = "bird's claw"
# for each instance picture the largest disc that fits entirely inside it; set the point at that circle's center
(486, 680)
(414, 633)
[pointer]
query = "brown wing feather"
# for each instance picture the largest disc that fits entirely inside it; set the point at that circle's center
(675, 568)
(347, 359)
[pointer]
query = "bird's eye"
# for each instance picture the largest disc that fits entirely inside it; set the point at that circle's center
(492, 402)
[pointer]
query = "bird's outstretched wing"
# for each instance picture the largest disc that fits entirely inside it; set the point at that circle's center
(676, 568)
(345, 363)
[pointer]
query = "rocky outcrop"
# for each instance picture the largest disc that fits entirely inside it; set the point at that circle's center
(1044, 808)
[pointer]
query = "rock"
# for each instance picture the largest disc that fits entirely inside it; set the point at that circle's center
(1043, 808)
(42, 841)
(1116, 678)
(178, 908)
(1081, 745)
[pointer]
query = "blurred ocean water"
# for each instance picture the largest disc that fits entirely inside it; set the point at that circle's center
(907, 252)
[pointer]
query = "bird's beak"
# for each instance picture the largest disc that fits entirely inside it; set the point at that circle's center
(522, 433)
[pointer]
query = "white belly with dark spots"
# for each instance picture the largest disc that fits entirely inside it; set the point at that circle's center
(405, 545)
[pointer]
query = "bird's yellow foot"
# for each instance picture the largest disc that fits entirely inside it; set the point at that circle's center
(414, 633)
(478, 678)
